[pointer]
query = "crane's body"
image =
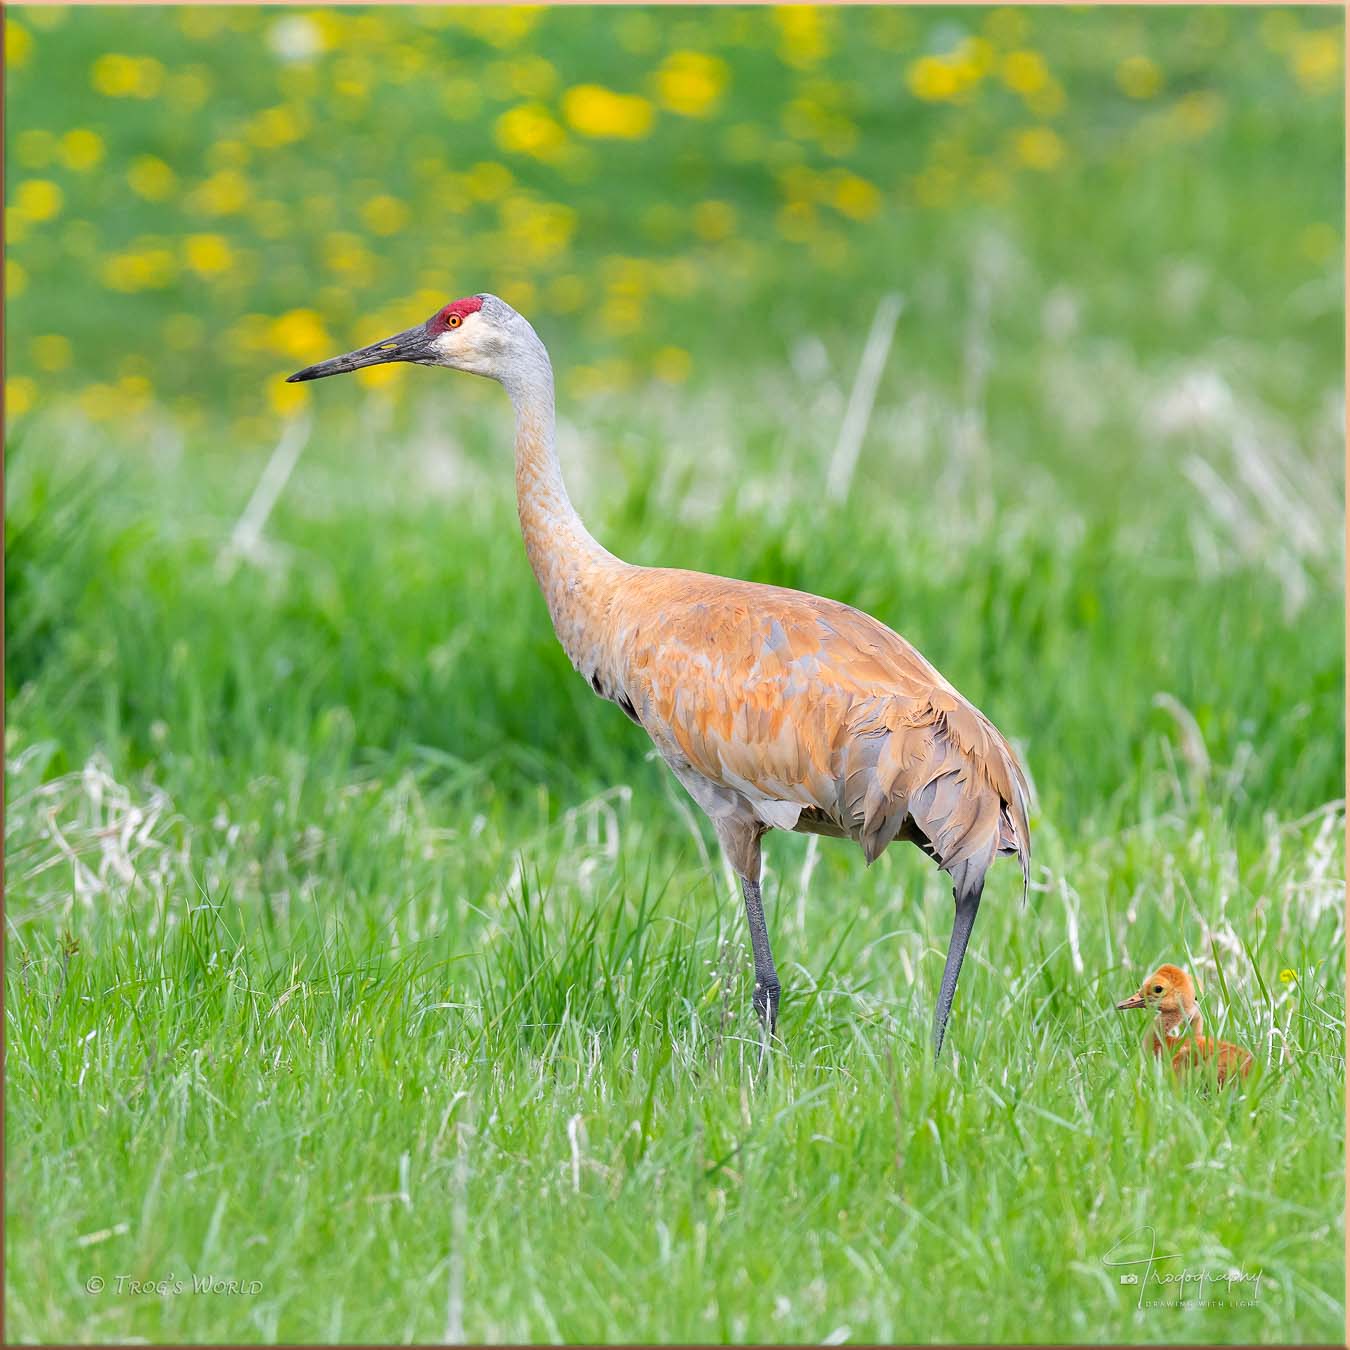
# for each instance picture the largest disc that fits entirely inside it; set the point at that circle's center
(1177, 1032)
(775, 709)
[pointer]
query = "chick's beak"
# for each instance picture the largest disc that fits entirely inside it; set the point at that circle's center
(1134, 1001)
(414, 344)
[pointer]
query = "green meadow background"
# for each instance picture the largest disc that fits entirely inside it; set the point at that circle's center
(365, 977)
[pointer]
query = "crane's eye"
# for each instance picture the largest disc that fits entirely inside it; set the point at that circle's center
(1157, 989)
(453, 321)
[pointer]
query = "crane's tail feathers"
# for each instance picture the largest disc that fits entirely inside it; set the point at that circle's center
(968, 890)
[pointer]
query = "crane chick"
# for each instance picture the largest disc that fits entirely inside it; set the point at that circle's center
(1175, 1031)
(775, 709)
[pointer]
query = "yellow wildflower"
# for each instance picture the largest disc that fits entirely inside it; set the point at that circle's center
(151, 178)
(18, 45)
(274, 127)
(289, 398)
(691, 83)
(1138, 77)
(37, 200)
(1288, 976)
(188, 89)
(222, 194)
(300, 336)
(1315, 59)
(1024, 72)
(118, 76)
(20, 395)
(530, 129)
(145, 269)
(384, 215)
(802, 38)
(208, 254)
(598, 112)
(855, 197)
(81, 149)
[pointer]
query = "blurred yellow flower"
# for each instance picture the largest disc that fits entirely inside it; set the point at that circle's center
(384, 215)
(1038, 148)
(146, 269)
(81, 149)
(347, 255)
(34, 148)
(51, 352)
(300, 336)
(1315, 59)
(714, 220)
(500, 25)
(386, 377)
(20, 395)
(222, 194)
(16, 279)
(855, 197)
(1288, 976)
(672, 365)
(208, 254)
(18, 45)
(536, 232)
(1139, 77)
(289, 398)
(598, 112)
(151, 178)
(274, 127)
(950, 79)
(691, 83)
(530, 129)
(37, 200)
(802, 37)
(1024, 72)
(118, 76)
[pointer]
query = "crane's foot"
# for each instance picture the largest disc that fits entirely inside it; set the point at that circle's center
(766, 1006)
(767, 992)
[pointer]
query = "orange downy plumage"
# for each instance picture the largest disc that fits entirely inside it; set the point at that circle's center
(1176, 1031)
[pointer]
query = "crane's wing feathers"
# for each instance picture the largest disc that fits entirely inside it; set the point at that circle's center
(815, 709)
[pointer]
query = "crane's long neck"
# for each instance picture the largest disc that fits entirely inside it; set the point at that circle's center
(576, 574)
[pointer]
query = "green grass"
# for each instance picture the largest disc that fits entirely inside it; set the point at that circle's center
(357, 953)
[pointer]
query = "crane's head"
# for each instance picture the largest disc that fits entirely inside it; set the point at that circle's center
(480, 334)
(1168, 989)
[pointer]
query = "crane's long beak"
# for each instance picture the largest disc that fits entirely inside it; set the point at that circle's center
(1134, 1001)
(414, 344)
(966, 909)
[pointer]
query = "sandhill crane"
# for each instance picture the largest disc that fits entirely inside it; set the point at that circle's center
(1176, 1029)
(775, 709)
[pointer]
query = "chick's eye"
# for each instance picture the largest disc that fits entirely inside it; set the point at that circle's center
(453, 321)
(1157, 989)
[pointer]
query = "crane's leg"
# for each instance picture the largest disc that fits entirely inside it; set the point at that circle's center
(740, 841)
(767, 987)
